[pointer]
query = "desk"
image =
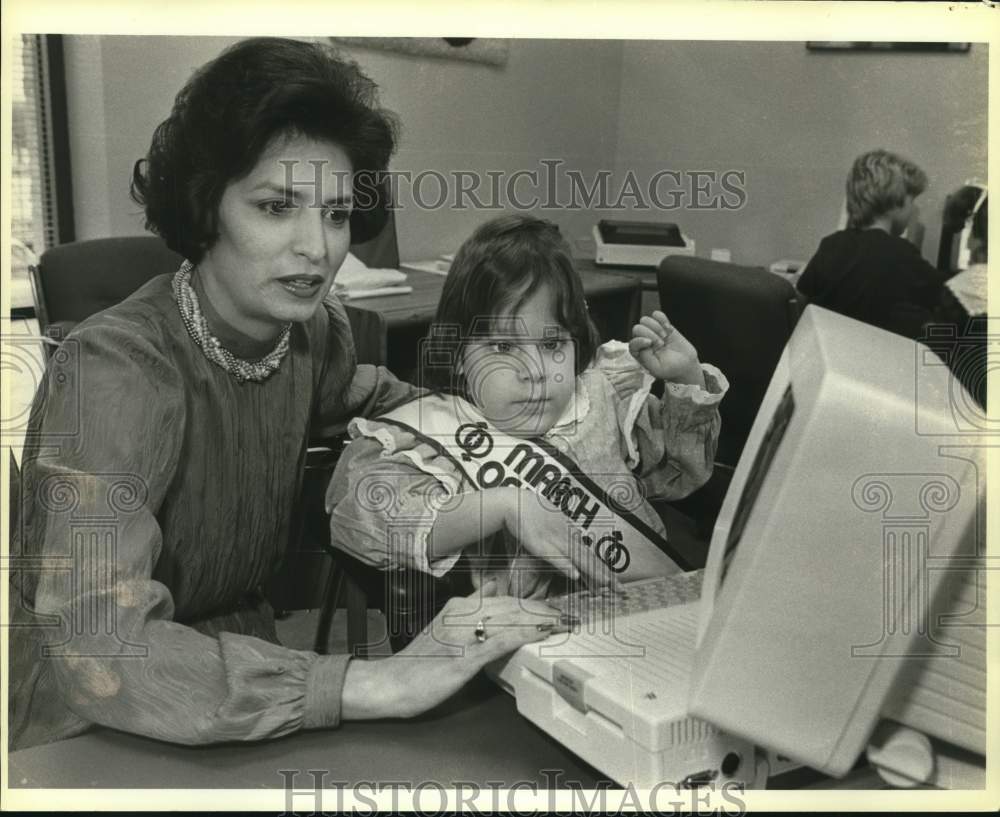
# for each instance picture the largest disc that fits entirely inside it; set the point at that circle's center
(646, 276)
(388, 329)
(477, 737)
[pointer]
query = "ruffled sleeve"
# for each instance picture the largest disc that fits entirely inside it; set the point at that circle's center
(669, 442)
(119, 657)
(384, 500)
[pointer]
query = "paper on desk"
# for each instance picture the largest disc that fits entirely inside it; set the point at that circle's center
(353, 274)
(437, 266)
(970, 288)
(378, 292)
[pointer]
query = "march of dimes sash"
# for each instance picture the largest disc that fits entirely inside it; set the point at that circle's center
(488, 458)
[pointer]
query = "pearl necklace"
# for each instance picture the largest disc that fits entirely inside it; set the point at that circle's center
(197, 327)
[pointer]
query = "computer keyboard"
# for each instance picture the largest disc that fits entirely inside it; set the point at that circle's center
(639, 597)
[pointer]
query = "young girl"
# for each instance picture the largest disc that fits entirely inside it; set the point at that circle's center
(536, 447)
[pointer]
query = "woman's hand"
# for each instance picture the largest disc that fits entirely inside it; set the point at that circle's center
(446, 655)
(544, 531)
(664, 352)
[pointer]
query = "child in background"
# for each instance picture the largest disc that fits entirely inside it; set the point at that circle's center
(868, 271)
(536, 446)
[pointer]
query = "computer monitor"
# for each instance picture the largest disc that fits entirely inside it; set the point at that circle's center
(859, 495)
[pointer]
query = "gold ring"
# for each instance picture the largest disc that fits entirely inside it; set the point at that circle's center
(480, 631)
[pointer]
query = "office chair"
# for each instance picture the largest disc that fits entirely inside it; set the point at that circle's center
(739, 319)
(955, 224)
(368, 327)
(73, 281)
(382, 251)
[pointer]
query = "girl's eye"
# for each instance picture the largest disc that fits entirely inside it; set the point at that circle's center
(276, 207)
(338, 215)
(553, 344)
(502, 346)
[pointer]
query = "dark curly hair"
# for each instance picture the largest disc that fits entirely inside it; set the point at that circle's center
(500, 266)
(228, 114)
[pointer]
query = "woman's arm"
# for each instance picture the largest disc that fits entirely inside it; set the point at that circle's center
(96, 470)
(447, 654)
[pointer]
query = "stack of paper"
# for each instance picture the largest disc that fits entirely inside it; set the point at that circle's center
(437, 266)
(970, 288)
(356, 280)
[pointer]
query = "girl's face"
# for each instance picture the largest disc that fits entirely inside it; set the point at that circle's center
(283, 234)
(522, 376)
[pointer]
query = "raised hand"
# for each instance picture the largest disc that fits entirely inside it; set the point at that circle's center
(664, 352)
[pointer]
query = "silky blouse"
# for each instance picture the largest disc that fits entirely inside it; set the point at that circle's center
(159, 495)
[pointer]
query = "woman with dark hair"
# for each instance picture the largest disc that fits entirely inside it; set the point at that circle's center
(160, 478)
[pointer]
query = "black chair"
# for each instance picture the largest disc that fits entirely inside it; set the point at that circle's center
(73, 281)
(739, 319)
(954, 213)
(382, 251)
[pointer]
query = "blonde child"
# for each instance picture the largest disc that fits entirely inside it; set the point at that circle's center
(868, 271)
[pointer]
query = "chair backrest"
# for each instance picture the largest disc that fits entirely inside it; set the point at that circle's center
(74, 281)
(739, 319)
(382, 251)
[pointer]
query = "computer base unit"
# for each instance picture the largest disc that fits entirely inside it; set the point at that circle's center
(700, 755)
(615, 691)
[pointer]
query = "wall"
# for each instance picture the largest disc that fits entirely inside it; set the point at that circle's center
(553, 98)
(794, 120)
(118, 90)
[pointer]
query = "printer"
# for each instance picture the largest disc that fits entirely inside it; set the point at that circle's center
(638, 243)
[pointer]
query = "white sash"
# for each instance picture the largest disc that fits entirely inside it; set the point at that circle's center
(488, 458)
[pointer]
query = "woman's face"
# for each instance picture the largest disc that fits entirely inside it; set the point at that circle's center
(283, 234)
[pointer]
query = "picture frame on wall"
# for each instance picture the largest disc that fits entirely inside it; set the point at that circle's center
(918, 47)
(469, 49)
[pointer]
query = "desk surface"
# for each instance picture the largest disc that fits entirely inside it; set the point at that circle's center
(419, 306)
(477, 737)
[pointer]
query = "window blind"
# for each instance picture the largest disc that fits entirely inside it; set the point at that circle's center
(34, 207)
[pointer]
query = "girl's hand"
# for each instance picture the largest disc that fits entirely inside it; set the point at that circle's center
(664, 352)
(545, 532)
(447, 654)
(528, 577)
